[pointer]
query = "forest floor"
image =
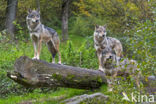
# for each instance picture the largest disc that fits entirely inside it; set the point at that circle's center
(13, 93)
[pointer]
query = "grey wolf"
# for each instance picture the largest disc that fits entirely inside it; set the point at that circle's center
(116, 66)
(39, 33)
(101, 41)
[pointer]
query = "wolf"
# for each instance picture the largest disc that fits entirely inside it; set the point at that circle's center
(109, 61)
(40, 33)
(101, 41)
(117, 66)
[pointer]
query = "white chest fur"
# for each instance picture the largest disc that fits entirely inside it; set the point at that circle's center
(34, 34)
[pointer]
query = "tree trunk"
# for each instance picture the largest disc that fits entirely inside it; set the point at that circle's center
(37, 73)
(38, 4)
(11, 16)
(65, 9)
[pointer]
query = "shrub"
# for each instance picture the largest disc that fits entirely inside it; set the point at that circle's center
(84, 26)
(141, 45)
(84, 56)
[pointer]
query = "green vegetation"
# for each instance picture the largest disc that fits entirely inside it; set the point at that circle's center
(130, 21)
(38, 97)
(74, 53)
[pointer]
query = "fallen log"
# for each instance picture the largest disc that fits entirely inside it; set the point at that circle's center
(38, 73)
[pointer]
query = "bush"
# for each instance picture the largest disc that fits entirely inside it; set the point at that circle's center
(141, 45)
(84, 56)
(84, 26)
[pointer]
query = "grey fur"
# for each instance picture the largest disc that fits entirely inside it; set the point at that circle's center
(40, 32)
(101, 41)
(115, 66)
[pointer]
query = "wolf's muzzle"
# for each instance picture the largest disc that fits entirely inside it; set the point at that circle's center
(37, 21)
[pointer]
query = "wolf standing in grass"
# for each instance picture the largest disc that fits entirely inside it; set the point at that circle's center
(101, 41)
(39, 33)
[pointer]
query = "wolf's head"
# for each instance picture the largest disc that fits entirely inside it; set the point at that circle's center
(100, 32)
(33, 17)
(109, 57)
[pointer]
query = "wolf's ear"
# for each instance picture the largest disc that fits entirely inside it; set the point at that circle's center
(96, 27)
(105, 26)
(29, 11)
(38, 10)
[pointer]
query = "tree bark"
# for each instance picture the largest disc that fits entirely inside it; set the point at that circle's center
(11, 16)
(37, 73)
(65, 10)
(38, 4)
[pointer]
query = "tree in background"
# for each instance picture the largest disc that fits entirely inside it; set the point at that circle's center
(65, 12)
(3, 5)
(119, 15)
(11, 16)
(38, 4)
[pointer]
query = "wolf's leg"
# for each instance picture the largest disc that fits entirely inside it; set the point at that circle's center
(59, 53)
(59, 57)
(137, 82)
(110, 84)
(56, 43)
(39, 49)
(53, 54)
(35, 49)
(53, 44)
(53, 58)
(52, 50)
(100, 62)
(118, 50)
(137, 78)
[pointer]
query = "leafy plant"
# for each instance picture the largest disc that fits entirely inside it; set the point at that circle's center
(141, 45)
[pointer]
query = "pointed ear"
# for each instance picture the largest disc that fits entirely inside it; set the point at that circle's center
(29, 11)
(96, 27)
(105, 26)
(38, 10)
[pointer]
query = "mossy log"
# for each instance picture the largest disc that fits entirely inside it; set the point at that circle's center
(38, 73)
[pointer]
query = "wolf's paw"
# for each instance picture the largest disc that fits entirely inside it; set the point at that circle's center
(102, 70)
(34, 58)
(53, 62)
(59, 63)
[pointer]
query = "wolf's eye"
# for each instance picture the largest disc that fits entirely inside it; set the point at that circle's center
(37, 16)
(98, 31)
(32, 16)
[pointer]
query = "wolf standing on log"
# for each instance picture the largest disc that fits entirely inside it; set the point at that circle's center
(39, 33)
(101, 41)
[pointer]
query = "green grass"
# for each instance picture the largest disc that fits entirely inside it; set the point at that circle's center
(37, 97)
(10, 52)
(77, 40)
